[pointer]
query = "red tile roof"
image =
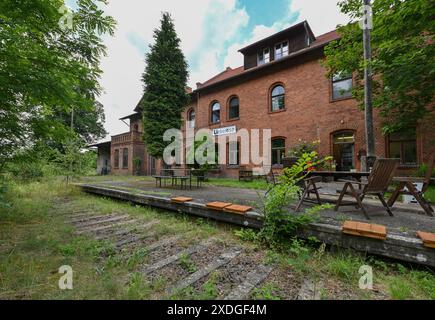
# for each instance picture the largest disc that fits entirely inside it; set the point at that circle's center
(229, 72)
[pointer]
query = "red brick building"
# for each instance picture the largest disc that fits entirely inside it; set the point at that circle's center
(126, 153)
(282, 86)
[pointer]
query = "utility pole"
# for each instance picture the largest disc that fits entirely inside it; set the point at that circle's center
(368, 103)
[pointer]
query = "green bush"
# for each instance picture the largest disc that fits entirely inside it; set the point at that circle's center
(4, 203)
(421, 171)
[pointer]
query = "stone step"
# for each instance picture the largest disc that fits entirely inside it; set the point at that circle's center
(253, 279)
(223, 259)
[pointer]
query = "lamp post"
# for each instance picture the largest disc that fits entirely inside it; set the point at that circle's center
(368, 103)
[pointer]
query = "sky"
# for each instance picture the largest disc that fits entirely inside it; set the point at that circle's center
(211, 33)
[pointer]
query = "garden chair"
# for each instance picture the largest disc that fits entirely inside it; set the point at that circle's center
(272, 180)
(308, 186)
(377, 184)
(406, 187)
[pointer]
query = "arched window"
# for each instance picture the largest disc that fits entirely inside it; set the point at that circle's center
(277, 98)
(215, 112)
(191, 118)
(278, 150)
(233, 111)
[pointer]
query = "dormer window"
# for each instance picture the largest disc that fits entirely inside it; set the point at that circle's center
(281, 50)
(264, 56)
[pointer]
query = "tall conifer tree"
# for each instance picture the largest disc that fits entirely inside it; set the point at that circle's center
(165, 80)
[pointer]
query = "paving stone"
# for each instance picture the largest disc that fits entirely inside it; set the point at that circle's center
(362, 229)
(235, 208)
(217, 205)
(181, 199)
(254, 278)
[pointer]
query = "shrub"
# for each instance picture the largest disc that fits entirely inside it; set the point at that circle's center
(279, 224)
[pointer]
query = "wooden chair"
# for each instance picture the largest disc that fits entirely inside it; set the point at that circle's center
(406, 187)
(272, 180)
(377, 184)
(308, 187)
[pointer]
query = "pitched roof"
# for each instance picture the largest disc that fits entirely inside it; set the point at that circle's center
(228, 73)
(320, 41)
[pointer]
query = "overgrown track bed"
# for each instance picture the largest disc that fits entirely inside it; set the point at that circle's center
(121, 251)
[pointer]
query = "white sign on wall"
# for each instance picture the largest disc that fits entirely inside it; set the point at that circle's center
(225, 130)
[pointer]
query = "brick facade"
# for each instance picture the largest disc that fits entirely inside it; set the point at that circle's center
(310, 113)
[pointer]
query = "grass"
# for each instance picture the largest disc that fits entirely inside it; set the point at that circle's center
(430, 194)
(258, 184)
(35, 242)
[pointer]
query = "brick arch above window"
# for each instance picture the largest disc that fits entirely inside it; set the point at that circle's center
(215, 112)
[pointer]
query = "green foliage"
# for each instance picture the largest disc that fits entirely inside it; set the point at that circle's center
(164, 79)
(246, 234)
(267, 292)
(46, 69)
(422, 169)
(402, 63)
(279, 223)
(303, 147)
(209, 288)
(4, 202)
(187, 264)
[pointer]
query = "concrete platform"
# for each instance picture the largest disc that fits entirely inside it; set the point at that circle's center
(401, 243)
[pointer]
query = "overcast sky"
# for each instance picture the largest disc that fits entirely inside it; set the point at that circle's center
(211, 33)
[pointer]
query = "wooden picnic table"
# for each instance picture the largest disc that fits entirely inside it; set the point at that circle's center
(337, 175)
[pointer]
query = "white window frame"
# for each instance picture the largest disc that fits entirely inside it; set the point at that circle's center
(263, 53)
(280, 52)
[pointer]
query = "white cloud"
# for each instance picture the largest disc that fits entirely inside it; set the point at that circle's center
(322, 16)
(137, 19)
(207, 29)
(222, 24)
